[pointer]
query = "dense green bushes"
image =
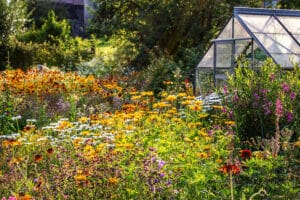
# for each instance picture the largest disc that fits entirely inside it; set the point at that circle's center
(264, 100)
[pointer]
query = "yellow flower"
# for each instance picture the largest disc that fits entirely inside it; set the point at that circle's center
(202, 155)
(137, 97)
(230, 123)
(187, 139)
(297, 144)
(85, 132)
(83, 119)
(181, 94)
(203, 115)
(161, 105)
(195, 107)
(147, 93)
(80, 177)
(100, 147)
(128, 145)
(89, 152)
(217, 107)
(15, 161)
(113, 180)
(187, 102)
(64, 125)
(207, 147)
(11, 143)
(171, 98)
(77, 141)
(202, 132)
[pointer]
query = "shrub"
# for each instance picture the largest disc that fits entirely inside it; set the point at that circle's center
(263, 100)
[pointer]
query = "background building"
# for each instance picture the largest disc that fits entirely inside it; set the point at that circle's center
(78, 12)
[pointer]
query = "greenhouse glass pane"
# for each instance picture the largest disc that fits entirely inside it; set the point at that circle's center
(208, 59)
(273, 37)
(292, 24)
(242, 47)
(227, 31)
(257, 23)
(224, 52)
(278, 43)
(239, 31)
(286, 60)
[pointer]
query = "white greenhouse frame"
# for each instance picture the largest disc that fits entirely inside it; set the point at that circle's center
(255, 34)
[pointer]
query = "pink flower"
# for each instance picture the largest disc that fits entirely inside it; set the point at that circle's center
(289, 117)
(285, 87)
(272, 77)
(292, 96)
(279, 108)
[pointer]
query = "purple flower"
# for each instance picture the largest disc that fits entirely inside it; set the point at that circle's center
(225, 89)
(256, 96)
(236, 97)
(231, 114)
(292, 96)
(161, 163)
(272, 77)
(279, 108)
(289, 117)
(285, 87)
(224, 110)
(264, 92)
(267, 107)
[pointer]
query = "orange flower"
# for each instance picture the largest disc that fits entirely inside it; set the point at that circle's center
(11, 143)
(38, 158)
(113, 180)
(24, 197)
(231, 168)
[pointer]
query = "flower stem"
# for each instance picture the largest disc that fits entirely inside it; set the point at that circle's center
(231, 184)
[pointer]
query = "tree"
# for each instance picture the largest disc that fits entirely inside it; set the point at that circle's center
(289, 4)
(4, 32)
(163, 26)
(4, 28)
(17, 16)
(41, 8)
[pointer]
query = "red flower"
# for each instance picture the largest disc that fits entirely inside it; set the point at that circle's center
(234, 169)
(246, 154)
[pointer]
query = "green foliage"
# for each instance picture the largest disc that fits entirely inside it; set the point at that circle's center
(51, 31)
(289, 4)
(52, 45)
(110, 57)
(256, 98)
(40, 8)
(162, 26)
(13, 16)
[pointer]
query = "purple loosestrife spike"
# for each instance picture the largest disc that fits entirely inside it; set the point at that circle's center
(225, 89)
(256, 96)
(292, 96)
(289, 117)
(279, 108)
(285, 87)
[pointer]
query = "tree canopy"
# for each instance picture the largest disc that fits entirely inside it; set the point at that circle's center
(165, 26)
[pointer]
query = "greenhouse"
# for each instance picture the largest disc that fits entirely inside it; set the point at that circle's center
(254, 35)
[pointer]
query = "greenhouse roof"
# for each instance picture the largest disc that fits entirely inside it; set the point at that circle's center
(256, 34)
